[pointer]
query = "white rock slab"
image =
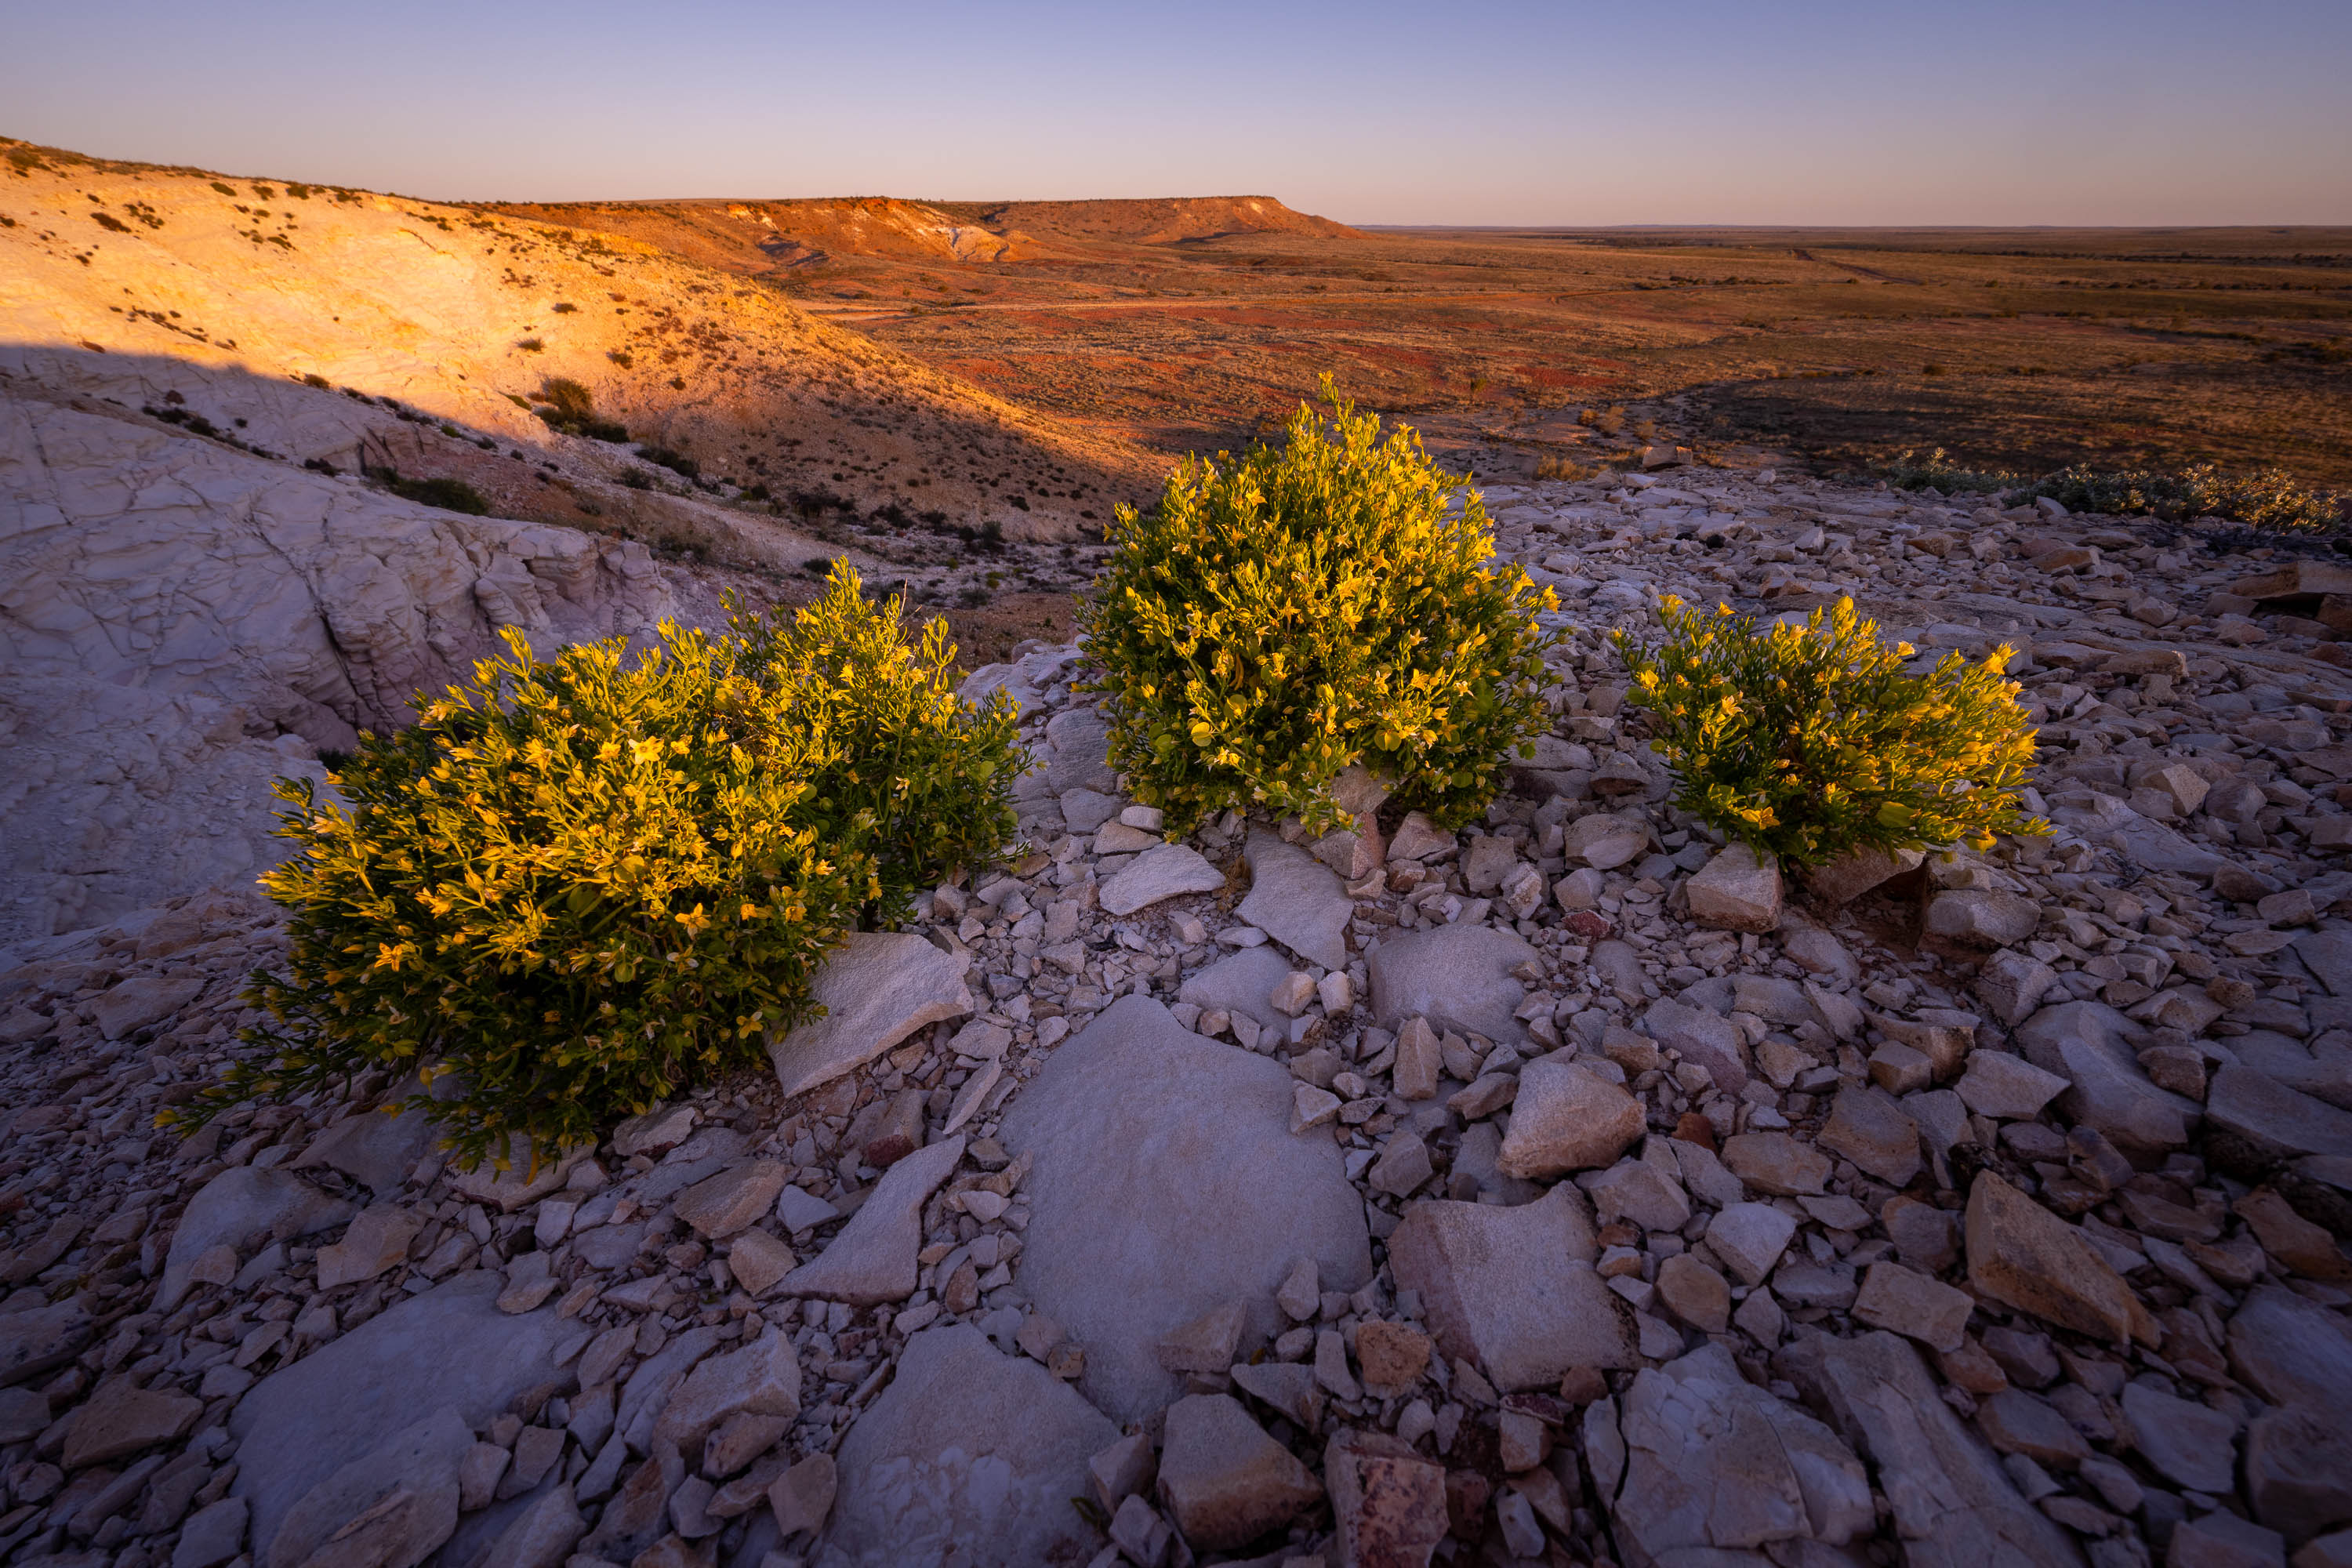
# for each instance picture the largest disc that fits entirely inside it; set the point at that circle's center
(240, 1208)
(451, 1346)
(969, 1456)
(873, 1258)
(1169, 871)
(1166, 1182)
(1297, 901)
(1458, 976)
(878, 988)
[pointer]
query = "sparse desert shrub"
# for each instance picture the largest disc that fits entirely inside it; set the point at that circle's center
(566, 398)
(1808, 742)
(2269, 498)
(621, 357)
(1909, 471)
(1558, 466)
(225, 190)
(1279, 617)
(568, 406)
(563, 306)
(577, 885)
(2266, 499)
(449, 495)
(529, 345)
(676, 462)
(314, 380)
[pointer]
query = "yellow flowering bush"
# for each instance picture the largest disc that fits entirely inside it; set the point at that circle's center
(1284, 615)
(579, 884)
(1810, 741)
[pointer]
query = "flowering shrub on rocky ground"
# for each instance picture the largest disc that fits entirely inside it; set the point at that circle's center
(580, 884)
(1810, 742)
(1284, 615)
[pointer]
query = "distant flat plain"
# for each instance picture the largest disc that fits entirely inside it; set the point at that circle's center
(2020, 349)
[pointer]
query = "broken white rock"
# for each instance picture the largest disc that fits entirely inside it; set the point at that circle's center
(392, 1505)
(1567, 1118)
(872, 1258)
(1513, 1291)
(451, 1346)
(238, 1209)
(1955, 1506)
(1737, 891)
(1240, 983)
(1714, 1464)
(1168, 871)
(2007, 1088)
(1298, 901)
(1225, 1480)
(877, 988)
(1750, 1238)
(969, 1456)
(1458, 977)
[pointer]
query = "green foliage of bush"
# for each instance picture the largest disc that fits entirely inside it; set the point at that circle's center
(1909, 471)
(580, 884)
(933, 772)
(1808, 743)
(1284, 615)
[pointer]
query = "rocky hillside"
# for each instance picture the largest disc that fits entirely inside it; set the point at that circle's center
(1561, 1190)
(258, 302)
(771, 237)
(765, 236)
(1166, 220)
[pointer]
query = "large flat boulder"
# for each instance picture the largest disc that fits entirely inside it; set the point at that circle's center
(1456, 976)
(1167, 1183)
(2091, 1047)
(1954, 1505)
(969, 1458)
(1513, 1289)
(2278, 1121)
(1713, 1462)
(449, 1347)
(878, 988)
(241, 1208)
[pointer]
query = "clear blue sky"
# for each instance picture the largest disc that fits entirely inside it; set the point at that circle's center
(1483, 111)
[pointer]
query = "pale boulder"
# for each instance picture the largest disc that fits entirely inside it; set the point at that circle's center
(877, 988)
(1737, 891)
(1567, 1118)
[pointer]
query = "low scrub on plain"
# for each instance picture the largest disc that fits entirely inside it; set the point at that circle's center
(2268, 498)
(581, 884)
(1808, 743)
(1285, 615)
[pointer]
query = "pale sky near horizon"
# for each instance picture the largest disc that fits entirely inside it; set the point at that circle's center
(1483, 111)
